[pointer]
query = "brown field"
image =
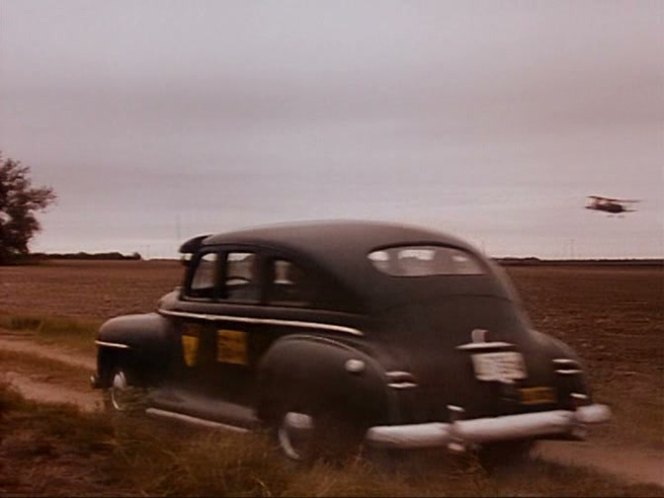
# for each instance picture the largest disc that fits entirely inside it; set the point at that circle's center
(612, 316)
(89, 290)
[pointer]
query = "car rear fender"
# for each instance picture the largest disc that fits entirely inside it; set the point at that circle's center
(313, 374)
(569, 369)
(137, 343)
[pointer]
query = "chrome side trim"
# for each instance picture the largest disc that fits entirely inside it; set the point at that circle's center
(401, 380)
(263, 321)
(567, 366)
(325, 340)
(565, 361)
(402, 385)
(193, 420)
(472, 346)
(116, 345)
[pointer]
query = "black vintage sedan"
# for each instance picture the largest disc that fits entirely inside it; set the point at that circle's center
(336, 335)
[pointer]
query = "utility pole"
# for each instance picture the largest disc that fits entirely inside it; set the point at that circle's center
(177, 228)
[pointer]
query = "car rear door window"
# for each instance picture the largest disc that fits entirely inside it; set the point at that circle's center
(289, 285)
(241, 276)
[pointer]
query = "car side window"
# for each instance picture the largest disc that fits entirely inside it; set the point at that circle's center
(241, 276)
(289, 285)
(204, 276)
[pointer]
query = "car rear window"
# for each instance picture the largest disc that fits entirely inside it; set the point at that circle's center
(422, 261)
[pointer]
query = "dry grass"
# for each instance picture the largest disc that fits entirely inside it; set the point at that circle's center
(76, 334)
(52, 450)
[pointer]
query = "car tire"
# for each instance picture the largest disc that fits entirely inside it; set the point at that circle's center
(122, 396)
(307, 438)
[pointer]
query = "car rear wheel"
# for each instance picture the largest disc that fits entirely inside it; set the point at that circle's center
(325, 436)
(294, 433)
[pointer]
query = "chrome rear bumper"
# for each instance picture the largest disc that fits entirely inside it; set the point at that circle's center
(488, 430)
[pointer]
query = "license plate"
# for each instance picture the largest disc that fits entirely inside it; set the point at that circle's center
(503, 366)
(537, 395)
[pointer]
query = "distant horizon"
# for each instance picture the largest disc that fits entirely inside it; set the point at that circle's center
(128, 256)
(581, 246)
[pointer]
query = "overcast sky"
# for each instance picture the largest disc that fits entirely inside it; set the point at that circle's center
(159, 120)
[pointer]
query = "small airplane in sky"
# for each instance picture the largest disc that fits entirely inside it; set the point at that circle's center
(609, 205)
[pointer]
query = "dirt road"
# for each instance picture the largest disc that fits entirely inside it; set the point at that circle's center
(50, 386)
(632, 464)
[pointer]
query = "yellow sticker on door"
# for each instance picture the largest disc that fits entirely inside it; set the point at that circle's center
(189, 349)
(232, 347)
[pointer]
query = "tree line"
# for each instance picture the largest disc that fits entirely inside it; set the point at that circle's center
(105, 256)
(20, 202)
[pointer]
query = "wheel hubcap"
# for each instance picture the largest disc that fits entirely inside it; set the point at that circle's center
(123, 396)
(295, 435)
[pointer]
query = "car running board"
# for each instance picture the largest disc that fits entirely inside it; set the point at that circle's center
(201, 410)
(156, 412)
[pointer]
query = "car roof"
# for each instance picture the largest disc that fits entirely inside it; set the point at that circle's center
(340, 248)
(335, 240)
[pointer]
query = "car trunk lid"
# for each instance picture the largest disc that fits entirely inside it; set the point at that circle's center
(465, 350)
